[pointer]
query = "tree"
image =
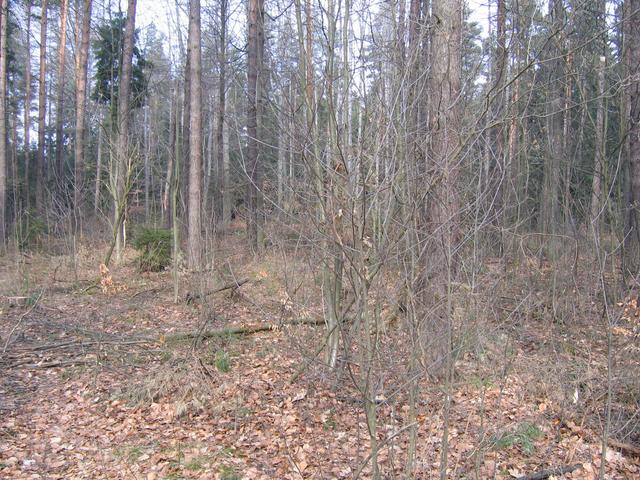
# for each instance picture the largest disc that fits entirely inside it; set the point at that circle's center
(42, 106)
(124, 162)
(194, 248)
(549, 201)
(109, 54)
(4, 13)
(632, 50)
(27, 105)
(62, 55)
(81, 100)
(254, 92)
(444, 206)
(223, 209)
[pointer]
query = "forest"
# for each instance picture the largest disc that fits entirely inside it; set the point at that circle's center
(320, 239)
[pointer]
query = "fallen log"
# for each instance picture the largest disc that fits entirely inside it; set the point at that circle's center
(192, 297)
(247, 330)
(544, 474)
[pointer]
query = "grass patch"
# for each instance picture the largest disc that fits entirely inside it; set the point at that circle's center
(129, 453)
(522, 437)
(222, 361)
(227, 473)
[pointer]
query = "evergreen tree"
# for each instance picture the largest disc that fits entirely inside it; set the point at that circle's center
(108, 50)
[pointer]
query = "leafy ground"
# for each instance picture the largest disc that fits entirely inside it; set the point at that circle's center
(93, 385)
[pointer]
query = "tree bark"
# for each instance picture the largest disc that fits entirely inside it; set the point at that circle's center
(42, 108)
(82, 60)
(194, 243)
(62, 57)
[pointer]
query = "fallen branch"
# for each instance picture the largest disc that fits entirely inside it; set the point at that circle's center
(192, 297)
(248, 330)
(625, 448)
(543, 474)
(54, 364)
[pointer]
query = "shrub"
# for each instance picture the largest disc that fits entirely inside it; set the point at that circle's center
(155, 247)
(30, 232)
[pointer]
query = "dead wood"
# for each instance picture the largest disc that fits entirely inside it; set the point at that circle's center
(543, 474)
(248, 330)
(192, 297)
(625, 448)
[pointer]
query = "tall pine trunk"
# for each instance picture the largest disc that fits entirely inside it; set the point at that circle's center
(62, 57)
(222, 208)
(27, 106)
(4, 11)
(42, 109)
(81, 100)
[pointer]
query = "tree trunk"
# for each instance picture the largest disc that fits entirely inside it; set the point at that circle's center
(498, 133)
(122, 143)
(96, 191)
(173, 136)
(444, 207)
(632, 230)
(222, 180)
(42, 109)
(194, 244)
(27, 106)
(549, 201)
(599, 152)
(599, 147)
(62, 56)
(256, 13)
(4, 11)
(82, 60)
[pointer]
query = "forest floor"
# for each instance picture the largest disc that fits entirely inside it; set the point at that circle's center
(94, 384)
